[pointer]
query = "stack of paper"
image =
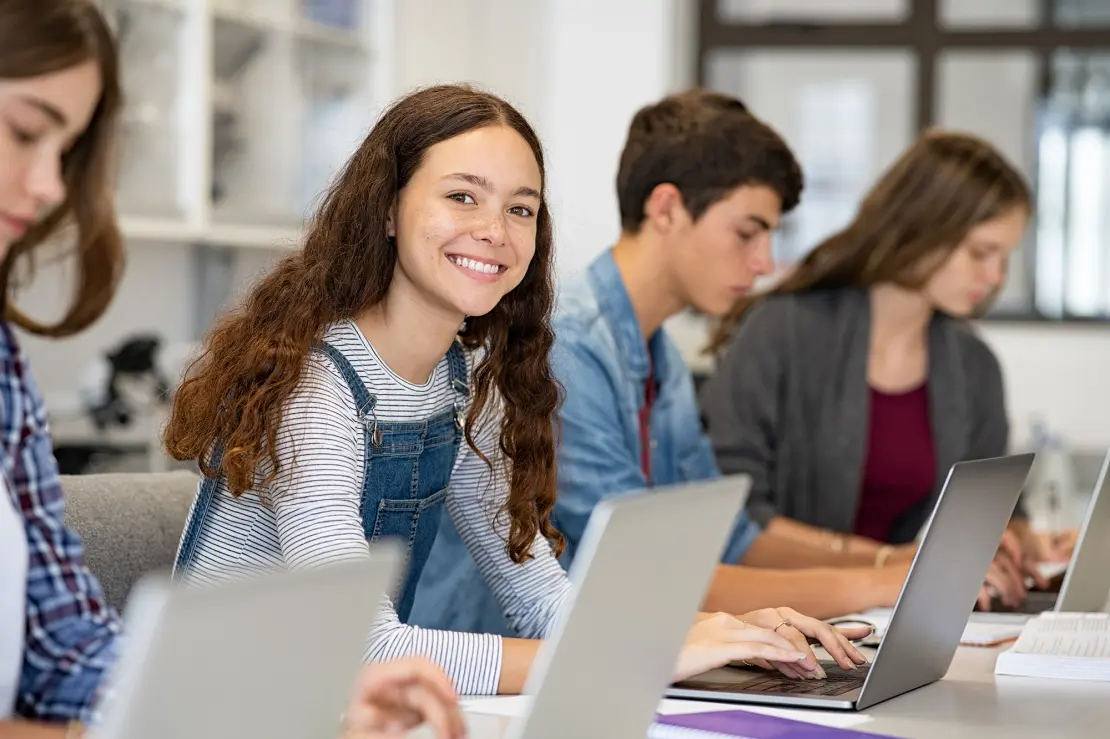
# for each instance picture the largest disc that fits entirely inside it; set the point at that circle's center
(1070, 646)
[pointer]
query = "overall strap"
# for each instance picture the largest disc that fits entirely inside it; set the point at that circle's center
(364, 401)
(197, 515)
(460, 380)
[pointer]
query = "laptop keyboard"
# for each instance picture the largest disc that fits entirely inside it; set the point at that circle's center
(1035, 603)
(838, 682)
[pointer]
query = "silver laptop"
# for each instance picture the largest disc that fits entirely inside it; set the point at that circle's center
(1086, 580)
(929, 617)
(271, 656)
(1086, 585)
(639, 576)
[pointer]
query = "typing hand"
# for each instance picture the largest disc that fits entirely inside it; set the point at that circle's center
(390, 698)
(1006, 578)
(801, 631)
(1024, 549)
(718, 639)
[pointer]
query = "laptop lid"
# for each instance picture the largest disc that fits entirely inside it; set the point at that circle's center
(1086, 585)
(638, 579)
(925, 626)
(274, 655)
(945, 576)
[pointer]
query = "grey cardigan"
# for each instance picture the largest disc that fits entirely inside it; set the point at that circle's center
(789, 405)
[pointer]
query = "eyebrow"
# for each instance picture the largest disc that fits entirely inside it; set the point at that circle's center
(480, 181)
(51, 112)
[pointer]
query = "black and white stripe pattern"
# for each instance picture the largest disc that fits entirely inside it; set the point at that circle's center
(309, 515)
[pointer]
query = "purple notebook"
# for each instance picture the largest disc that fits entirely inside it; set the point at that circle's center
(751, 726)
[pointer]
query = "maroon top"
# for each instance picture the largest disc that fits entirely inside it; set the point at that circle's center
(900, 466)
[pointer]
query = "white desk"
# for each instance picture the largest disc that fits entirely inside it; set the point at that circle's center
(968, 703)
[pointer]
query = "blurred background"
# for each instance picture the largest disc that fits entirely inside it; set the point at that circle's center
(239, 111)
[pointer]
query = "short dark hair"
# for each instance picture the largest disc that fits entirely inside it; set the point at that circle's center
(706, 144)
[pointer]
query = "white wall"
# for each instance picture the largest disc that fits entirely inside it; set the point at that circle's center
(497, 44)
(606, 60)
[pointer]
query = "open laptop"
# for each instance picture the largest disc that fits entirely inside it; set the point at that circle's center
(272, 656)
(1086, 580)
(638, 578)
(929, 617)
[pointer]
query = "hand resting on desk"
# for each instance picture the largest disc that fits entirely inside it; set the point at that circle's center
(390, 698)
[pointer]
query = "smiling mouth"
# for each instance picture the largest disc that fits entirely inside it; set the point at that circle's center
(18, 226)
(476, 267)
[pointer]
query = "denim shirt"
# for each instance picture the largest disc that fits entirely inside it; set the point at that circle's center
(602, 362)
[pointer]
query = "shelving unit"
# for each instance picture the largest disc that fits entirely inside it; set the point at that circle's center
(239, 112)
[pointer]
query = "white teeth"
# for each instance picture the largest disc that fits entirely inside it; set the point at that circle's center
(476, 266)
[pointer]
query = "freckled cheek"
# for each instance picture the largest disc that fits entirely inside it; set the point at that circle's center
(523, 242)
(438, 230)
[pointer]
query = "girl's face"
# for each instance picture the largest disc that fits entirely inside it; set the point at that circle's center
(40, 119)
(977, 267)
(465, 223)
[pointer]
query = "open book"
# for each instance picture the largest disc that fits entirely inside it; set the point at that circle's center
(1073, 646)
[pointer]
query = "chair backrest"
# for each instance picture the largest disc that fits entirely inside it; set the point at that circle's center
(130, 523)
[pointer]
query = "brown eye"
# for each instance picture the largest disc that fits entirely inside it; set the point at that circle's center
(22, 136)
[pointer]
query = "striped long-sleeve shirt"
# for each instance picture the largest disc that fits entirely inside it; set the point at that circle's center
(309, 514)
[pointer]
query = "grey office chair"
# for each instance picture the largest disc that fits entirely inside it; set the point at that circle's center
(130, 523)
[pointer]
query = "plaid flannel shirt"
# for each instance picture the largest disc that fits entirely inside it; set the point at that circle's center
(71, 633)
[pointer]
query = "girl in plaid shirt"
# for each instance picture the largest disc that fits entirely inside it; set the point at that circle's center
(59, 100)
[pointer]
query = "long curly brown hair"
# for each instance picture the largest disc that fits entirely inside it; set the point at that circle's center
(919, 212)
(253, 358)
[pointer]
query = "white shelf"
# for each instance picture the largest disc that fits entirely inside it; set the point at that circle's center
(243, 236)
(323, 33)
(297, 27)
(179, 6)
(241, 109)
(157, 229)
(259, 237)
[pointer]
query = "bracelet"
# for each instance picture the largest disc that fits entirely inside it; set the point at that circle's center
(883, 554)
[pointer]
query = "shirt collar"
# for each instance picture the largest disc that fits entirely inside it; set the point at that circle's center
(616, 308)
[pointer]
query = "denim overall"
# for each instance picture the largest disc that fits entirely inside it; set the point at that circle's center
(407, 467)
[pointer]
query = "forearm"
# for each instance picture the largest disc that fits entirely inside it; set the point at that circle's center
(820, 593)
(823, 539)
(28, 730)
(772, 549)
(517, 656)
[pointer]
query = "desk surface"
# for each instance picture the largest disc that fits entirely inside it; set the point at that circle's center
(970, 702)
